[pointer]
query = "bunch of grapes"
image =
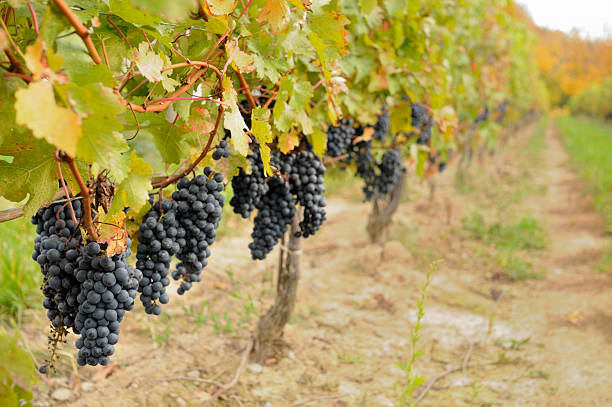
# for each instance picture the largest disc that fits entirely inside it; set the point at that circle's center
(184, 227)
(339, 138)
(382, 127)
(482, 116)
(422, 122)
(391, 169)
(305, 173)
(222, 151)
(56, 250)
(199, 205)
(107, 290)
(157, 240)
(249, 188)
(275, 211)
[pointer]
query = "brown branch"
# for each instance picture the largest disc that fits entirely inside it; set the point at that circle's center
(164, 105)
(241, 366)
(87, 220)
(15, 213)
(10, 214)
(80, 29)
(442, 375)
(247, 90)
(203, 154)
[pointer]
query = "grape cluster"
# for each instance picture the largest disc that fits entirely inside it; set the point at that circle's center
(340, 137)
(422, 122)
(184, 227)
(222, 151)
(390, 169)
(382, 127)
(107, 290)
(275, 211)
(482, 116)
(502, 110)
(249, 188)
(199, 208)
(157, 240)
(56, 251)
(305, 172)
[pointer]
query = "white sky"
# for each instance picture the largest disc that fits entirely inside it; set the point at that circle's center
(593, 18)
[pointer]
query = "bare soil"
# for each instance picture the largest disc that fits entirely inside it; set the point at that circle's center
(538, 343)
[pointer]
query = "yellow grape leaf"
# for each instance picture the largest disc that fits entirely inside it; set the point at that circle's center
(112, 231)
(221, 7)
(274, 12)
(260, 118)
(288, 141)
(36, 109)
(33, 58)
(319, 142)
(244, 62)
(264, 152)
(368, 132)
(233, 120)
(304, 5)
(574, 317)
(447, 120)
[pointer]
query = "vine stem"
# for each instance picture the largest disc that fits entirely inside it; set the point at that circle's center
(203, 154)
(80, 29)
(63, 181)
(87, 220)
(34, 19)
(247, 90)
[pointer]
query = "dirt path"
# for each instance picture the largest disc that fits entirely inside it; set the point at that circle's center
(356, 307)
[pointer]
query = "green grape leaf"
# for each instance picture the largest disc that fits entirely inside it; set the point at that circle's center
(133, 192)
(171, 141)
(233, 120)
(125, 10)
(37, 110)
(33, 171)
(330, 28)
(172, 10)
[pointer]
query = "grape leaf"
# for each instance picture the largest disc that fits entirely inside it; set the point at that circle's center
(112, 231)
(172, 10)
(37, 110)
(33, 172)
(240, 59)
(233, 120)
(133, 192)
(319, 142)
(330, 28)
(288, 141)
(221, 7)
(275, 12)
(148, 62)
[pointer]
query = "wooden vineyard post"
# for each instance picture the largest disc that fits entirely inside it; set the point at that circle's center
(383, 211)
(269, 331)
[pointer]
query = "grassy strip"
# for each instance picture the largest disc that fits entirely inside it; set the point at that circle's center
(589, 143)
(19, 274)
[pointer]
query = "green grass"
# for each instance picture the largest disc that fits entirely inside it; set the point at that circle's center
(509, 240)
(589, 142)
(527, 233)
(20, 276)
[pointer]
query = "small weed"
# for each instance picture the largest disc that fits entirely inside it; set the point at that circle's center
(406, 390)
(524, 234)
(538, 374)
(503, 359)
(515, 268)
(352, 359)
(514, 344)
